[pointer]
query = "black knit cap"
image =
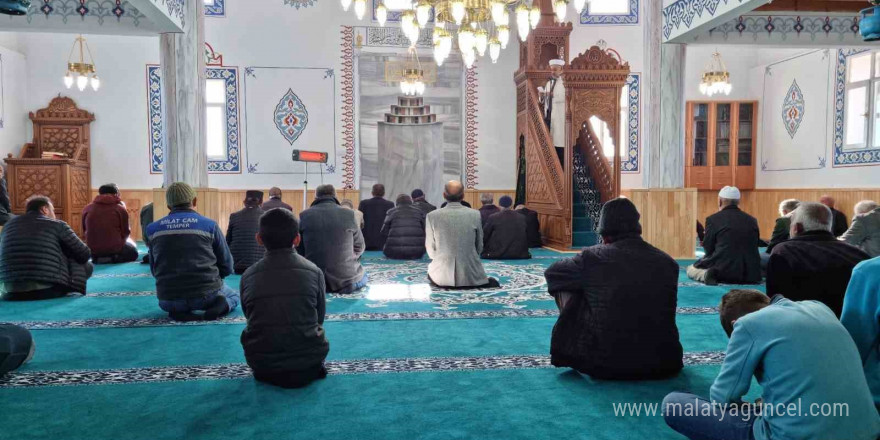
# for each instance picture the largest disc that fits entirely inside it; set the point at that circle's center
(254, 195)
(618, 217)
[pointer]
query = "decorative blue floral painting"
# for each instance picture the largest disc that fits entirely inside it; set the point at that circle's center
(291, 116)
(793, 109)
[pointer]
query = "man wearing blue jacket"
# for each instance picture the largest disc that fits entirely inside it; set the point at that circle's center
(861, 317)
(810, 372)
(189, 259)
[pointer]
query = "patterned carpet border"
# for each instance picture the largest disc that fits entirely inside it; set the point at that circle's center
(351, 367)
(337, 317)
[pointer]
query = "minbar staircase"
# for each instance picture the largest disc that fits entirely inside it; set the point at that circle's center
(592, 186)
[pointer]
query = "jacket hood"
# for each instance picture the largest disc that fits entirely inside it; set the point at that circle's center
(108, 199)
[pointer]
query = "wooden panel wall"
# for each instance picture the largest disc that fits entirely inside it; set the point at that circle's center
(763, 204)
(668, 219)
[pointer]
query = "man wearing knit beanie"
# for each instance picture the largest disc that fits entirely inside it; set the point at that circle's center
(617, 304)
(189, 258)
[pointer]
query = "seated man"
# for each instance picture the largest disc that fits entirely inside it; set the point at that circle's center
(241, 234)
(5, 208)
(282, 297)
(783, 224)
(731, 245)
(617, 304)
(41, 257)
(418, 197)
(358, 216)
(146, 219)
(488, 208)
(404, 231)
(839, 224)
(861, 317)
(275, 200)
(812, 264)
(374, 210)
(533, 226)
(454, 240)
(105, 224)
(189, 259)
(505, 234)
(865, 229)
(801, 356)
(16, 347)
(332, 240)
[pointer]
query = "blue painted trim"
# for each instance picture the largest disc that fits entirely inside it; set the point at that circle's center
(611, 20)
(682, 13)
(785, 27)
(630, 164)
(217, 9)
(232, 163)
(847, 158)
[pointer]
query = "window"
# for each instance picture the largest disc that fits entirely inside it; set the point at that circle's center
(608, 7)
(611, 12)
(862, 102)
(215, 8)
(602, 131)
(215, 118)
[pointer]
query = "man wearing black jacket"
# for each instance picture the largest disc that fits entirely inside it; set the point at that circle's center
(839, 224)
(242, 230)
(374, 210)
(504, 234)
(533, 226)
(5, 208)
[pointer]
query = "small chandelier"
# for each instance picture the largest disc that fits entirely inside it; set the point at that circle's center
(413, 82)
(716, 78)
(79, 71)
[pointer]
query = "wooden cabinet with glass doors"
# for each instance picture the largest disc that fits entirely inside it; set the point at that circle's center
(721, 144)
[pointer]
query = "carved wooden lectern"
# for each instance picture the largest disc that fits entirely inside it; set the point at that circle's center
(66, 176)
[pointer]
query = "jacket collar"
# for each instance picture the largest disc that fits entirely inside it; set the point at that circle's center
(179, 210)
(815, 236)
(325, 200)
(280, 252)
(454, 205)
(736, 207)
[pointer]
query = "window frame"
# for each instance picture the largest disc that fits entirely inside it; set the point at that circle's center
(870, 104)
(628, 18)
(223, 106)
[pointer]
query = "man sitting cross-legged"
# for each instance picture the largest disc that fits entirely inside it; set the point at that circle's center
(105, 223)
(404, 231)
(617, 304)
(731, 245)
(454, 240)
(807, 365)
(861, 317)
(332, 240)
(533, 226)
(812, 264)
(781, 230)
(282, 297)
(865, 229)
(505, 235)
(189, 259)
(242, 232)
(41, 257)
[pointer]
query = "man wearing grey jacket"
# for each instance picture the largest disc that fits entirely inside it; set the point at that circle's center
(865, 229)
(454, 240)
(333, 241)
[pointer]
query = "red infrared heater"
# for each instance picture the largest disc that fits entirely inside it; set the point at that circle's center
(309, 156)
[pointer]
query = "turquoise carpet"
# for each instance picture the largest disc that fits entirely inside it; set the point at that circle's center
(405, 362)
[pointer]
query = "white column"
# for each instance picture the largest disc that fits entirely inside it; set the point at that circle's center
(668, 171)
(652, 16)
(182, 57)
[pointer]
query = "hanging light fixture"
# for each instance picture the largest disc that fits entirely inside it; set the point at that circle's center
(716, 78)
(360, 8)
(381, 14)
(345, 5)
(522, 21)
(14, 7)
(494, 50)
(413, 82)
(560, 7)
(423, 12)
(579, 5)
(78, 70)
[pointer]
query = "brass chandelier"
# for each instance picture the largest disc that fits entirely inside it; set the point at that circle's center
(80, 71)
(413, 82)
(716, 78)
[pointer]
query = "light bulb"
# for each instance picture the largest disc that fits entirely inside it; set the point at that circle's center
(96, 83)
(438, 54)
(579, 5)
(728, 88)
(407, 21)
(561, 7)
(458, 11)
(381, 14)
(481, 41)
(345, 5)
(469, 58)
(413, 34)
(506, 19)
(494, 50)
(420, 87)
(522, 21)
(68, 80)
(423, 13)
(703, 88)
(81, 82)
(446, 44)
(360, 8)
(465, 40)
(503, 36)
(498, 12)
(534, 16)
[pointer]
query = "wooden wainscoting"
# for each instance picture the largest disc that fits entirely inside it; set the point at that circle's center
(668, 219)
(763, 204)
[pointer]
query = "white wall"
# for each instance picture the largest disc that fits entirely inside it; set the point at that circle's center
(14, 113)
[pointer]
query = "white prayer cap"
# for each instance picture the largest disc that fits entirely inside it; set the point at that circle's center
(540, 90)
(557, 62)
(729, 193)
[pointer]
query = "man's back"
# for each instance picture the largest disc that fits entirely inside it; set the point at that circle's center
(813, 266)
(424, 206)
(487, 211)
(332, 240)
(276, 202)
(36, 248)
(861, 317)
(105, 222)
(241, 237)
(505, 236)
(283, 299)
(374, 210)
(623, 323)
(865, 233)
(533, 227)
(801, 355)
(731, 246)
(188, 255)
(454, 240)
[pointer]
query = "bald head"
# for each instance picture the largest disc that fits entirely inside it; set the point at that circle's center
(275, 192)
(453, 191)
(827, 201)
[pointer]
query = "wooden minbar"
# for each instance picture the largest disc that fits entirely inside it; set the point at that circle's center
(57, 164)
